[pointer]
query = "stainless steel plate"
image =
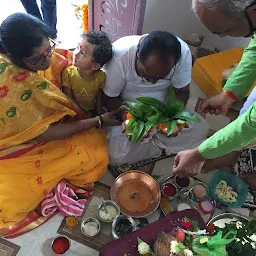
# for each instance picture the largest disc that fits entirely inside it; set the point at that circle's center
(227, 216)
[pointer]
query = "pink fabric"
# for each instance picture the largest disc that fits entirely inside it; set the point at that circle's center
(63, 199)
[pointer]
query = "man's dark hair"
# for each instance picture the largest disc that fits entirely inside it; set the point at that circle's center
(103, 51)
(164, 43)
(19, 34)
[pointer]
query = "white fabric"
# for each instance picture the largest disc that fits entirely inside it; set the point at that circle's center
(122, 79)
(250, 100)
(122, 151)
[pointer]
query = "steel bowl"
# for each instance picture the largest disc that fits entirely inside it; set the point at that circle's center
(169, 197)
(90, 219)
(136, 193)
(65, 253)
(112, 203)
(116, 221)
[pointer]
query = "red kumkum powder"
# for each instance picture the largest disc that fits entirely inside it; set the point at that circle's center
(169, 190)
(60, 245)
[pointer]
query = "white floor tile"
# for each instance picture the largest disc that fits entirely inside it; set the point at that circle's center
(107, 179)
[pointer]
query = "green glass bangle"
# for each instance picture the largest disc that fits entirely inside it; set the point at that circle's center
(101, 121)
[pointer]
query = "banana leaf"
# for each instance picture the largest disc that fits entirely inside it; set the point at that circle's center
(171, 126)
(138, 129)
(186, 116)
(153, 102)
(170, 99)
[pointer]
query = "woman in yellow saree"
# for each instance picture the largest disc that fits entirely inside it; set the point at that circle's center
(38, 148)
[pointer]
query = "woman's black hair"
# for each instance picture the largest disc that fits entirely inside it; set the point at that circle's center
(164, 43)
(19, 34)
(103, 50)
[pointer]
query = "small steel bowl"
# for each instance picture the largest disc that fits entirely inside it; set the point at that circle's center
(90, 219)
(207, 191)
(112, 203)
(169, 197)
(61, 237)
(179, 186)
(117, 220)
(185, 194)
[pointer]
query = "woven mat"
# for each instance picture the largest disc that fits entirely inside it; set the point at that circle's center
(148, 165)
(7, 248)
(90, 210)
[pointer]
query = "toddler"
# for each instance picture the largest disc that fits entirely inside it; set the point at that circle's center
(82, 82)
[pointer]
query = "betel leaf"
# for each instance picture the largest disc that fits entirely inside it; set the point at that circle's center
(171, 126)
(138, 129)
(186, 116)
(170, 99)
(153, 102)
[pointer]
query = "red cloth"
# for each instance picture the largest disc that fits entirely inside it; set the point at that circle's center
(129, 243)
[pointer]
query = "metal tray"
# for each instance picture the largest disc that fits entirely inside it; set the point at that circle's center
(228, 216)
(168, 206)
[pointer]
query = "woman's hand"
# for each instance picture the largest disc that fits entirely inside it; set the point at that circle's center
(111, 118)
(188, 163)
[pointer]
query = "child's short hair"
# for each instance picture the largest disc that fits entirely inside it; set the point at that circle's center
(103, 51)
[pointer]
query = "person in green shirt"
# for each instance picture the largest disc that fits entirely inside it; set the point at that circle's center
(234, 18)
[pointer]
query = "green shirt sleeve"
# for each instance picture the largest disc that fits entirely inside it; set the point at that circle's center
(234, 136)
(243, 78)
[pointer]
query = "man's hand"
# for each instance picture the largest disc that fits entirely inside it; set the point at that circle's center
(217, 104)
(188, 163)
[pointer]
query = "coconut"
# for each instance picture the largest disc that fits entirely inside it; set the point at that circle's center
(162, 245)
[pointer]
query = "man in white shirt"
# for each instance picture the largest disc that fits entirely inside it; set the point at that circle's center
(147, 66)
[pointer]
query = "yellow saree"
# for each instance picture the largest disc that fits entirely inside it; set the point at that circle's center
(29, 103)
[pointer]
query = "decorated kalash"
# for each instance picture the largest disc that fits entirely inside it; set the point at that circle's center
(145, 215)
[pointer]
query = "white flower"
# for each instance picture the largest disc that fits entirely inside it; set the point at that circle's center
(143, 248)
(174, 248)
(253, 246)
(187, 252)
(239, 224)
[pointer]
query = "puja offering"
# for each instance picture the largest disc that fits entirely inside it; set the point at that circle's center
(108, 211)
(72, 221)
(60, 245)
(182, 182)
(122, 225)
(190, 191)
(187, 242)
(90, 227)
(245, 241)
(229, 189)
(200, 191)
(136, 192)
(206, 206)
(169, 190)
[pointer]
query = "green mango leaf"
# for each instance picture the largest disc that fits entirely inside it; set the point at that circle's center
(179, 121)
(171, 126)
(179, 106)
(130, 126)
(138, 129)
(152, 102)
(164, 120)
(186, 116)
(171, 98)
(155, 119)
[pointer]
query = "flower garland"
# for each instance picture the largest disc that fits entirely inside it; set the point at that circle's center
(85, 17)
